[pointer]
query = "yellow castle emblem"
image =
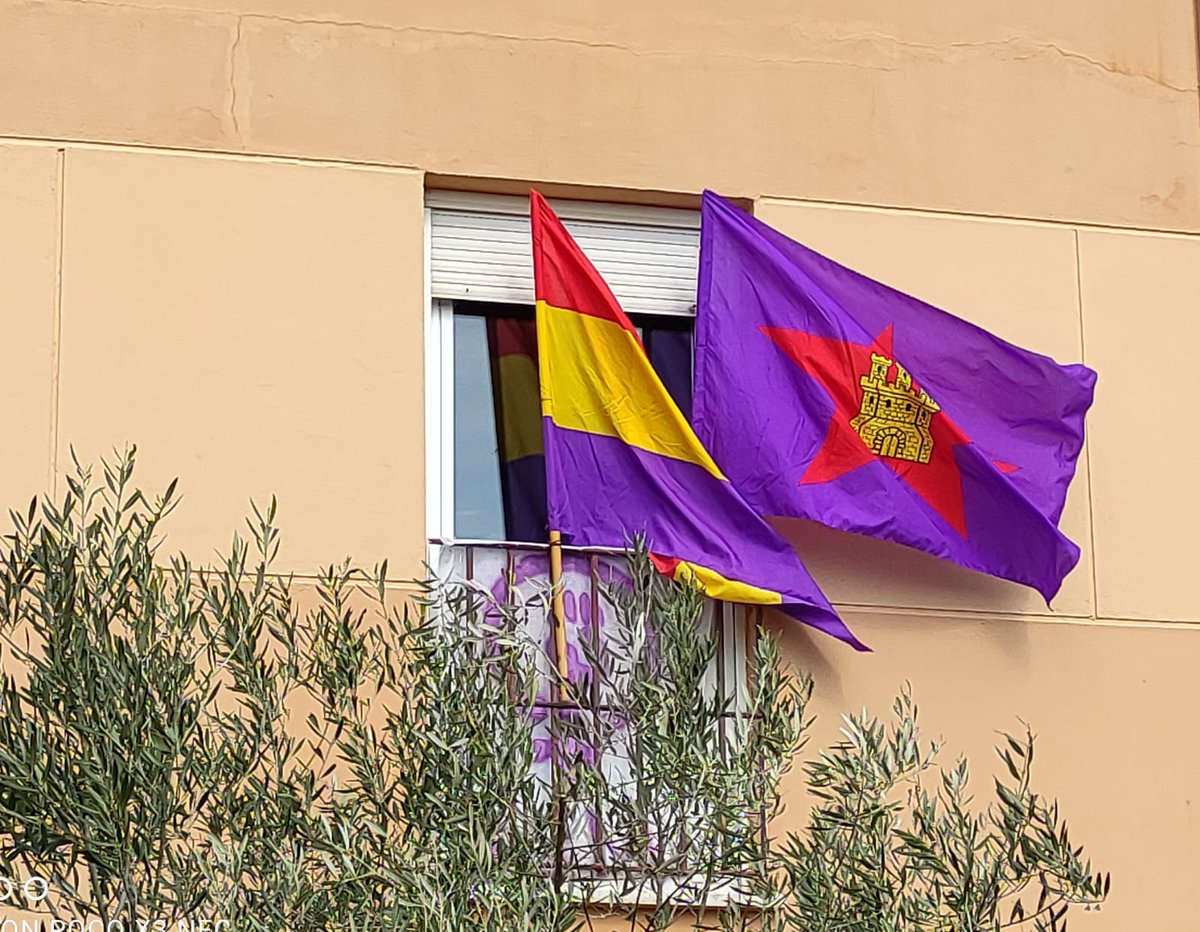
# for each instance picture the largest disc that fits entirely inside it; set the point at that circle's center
(893, 418)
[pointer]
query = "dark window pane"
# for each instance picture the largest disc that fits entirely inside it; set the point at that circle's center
(477, 511)
(513, 355)
(498, 461)
(499, 466)
(669, 347)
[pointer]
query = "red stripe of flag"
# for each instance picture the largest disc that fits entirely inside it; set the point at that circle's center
(563, 276)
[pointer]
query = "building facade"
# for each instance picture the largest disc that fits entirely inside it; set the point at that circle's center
(216, 242)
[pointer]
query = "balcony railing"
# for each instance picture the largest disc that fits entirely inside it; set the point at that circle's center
(519, 575)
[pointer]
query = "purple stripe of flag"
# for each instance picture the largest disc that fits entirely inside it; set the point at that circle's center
(682, 509)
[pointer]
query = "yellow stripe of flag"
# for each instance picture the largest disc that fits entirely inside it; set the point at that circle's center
(716, 586)
(595, 378)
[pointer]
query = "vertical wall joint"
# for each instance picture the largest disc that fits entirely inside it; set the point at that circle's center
(56, 340)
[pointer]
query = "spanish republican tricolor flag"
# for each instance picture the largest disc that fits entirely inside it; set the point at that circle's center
(621, 460)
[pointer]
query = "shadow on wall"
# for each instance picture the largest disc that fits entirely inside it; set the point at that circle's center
(875, 583)
(858, 570)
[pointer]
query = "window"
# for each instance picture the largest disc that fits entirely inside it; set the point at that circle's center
(480, 311)
(499, 472)
(486, 513)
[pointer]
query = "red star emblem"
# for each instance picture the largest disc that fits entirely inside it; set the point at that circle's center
(839, 366)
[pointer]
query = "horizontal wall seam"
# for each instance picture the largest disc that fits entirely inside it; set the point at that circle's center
(949, 614)
(1031, 617)
(399, 167)
(1080, 225)
(409, 584)
(218, 154)
(397, 584)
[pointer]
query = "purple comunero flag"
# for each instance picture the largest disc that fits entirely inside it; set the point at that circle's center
(826, 395)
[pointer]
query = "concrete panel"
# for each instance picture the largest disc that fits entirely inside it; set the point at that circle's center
(255, 328)
(867, 118)
(1064, 110)
(1111, 706)
(1016, 280)
(107, 72)
(28, 269)
(1152, 44)
(1140, 300)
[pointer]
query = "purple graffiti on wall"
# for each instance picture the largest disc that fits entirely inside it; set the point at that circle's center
(585, 612)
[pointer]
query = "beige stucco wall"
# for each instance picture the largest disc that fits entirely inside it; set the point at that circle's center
(1078, 109)
(257, 325)
(1106, 677)
(254, 320)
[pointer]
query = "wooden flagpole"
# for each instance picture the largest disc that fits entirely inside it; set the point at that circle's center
(560, 622)
(558, 813)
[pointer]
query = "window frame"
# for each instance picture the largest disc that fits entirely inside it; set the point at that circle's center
(672, 231)
(734, 629)
(439, 383)
(439, 465)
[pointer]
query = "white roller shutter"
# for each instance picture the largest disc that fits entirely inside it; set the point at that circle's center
(479, 250)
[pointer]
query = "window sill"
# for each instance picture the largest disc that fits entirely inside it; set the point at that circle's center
(722, 893)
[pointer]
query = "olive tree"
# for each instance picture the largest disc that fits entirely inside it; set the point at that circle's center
(220, 742)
